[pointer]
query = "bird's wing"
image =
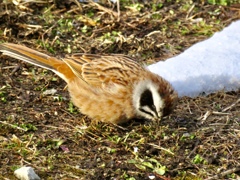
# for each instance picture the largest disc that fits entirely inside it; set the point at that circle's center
(104, 71)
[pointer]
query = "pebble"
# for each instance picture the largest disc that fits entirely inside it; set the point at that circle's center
(26, 173)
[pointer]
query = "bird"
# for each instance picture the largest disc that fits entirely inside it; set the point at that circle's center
(109, 88)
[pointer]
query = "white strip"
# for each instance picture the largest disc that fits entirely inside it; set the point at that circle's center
(208, 66)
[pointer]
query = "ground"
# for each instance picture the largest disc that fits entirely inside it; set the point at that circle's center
(199, 140)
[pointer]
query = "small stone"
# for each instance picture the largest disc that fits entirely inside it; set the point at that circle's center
(26, 173)
(151, 177)
(50, 92)
(135, 149)
(186, 135)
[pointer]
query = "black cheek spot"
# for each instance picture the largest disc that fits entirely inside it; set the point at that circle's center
(146, 98)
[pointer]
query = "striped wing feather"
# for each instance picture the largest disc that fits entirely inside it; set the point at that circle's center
(103, 71)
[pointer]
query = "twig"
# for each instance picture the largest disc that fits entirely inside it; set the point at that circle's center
(153, 32)
(120, 127)
(161, 148)
(220, 113)
(118, 10)
(79, 5)
(31, 138)
(190, 11)
(55, 127)
(9, 67)
(15, 69)
(224, 173)
(104, 9)
(14, 126)
(205, 116)
(194, 149)
(209, 113)
(231, 106)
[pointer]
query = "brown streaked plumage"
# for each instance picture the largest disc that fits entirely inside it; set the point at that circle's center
(110, 88)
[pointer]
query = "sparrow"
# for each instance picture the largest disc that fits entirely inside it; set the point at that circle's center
(108, 88)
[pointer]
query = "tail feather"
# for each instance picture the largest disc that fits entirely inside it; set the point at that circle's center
(37, 58)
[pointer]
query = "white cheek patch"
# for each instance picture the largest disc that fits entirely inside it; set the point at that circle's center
(157, 100)
(140, 87)
(148, 114)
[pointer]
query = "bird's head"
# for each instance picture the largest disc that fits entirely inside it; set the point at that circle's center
(154, 98)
